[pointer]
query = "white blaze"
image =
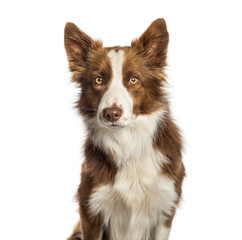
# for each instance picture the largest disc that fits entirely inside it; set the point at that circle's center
(116, 94)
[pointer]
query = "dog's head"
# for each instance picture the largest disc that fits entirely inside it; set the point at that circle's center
(119, 83)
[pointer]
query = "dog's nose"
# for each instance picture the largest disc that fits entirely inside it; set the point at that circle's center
(112, 114)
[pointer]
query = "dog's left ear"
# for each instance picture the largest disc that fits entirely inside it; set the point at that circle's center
(153, 43)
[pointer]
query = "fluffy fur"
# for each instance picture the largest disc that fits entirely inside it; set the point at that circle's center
(131, 179)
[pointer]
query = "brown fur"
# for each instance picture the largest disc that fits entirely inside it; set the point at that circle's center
(98, 169)
(145, 60)
(169, 141)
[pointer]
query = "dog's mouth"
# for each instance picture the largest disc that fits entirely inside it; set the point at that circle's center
(116, 126)
(112, 126)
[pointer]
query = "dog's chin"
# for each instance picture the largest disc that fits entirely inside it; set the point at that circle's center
(112, 126)
(116, 127)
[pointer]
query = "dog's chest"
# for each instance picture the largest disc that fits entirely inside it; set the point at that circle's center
(136, 182)
(137, 200)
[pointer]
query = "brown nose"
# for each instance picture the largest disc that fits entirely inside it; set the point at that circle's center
(112, 114)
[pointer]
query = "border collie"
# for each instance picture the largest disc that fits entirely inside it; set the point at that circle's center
(131, 180)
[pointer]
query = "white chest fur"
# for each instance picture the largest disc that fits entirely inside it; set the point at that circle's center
(135, 204)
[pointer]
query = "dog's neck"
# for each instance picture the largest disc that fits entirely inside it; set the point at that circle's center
(130, 144)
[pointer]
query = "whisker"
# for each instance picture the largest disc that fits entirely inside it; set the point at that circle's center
(141, 111)
(89, 110)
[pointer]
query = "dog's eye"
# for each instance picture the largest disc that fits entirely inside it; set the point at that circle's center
(98, 80)
(133, 80)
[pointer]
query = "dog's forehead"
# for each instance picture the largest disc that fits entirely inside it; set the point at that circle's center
(118, 48)
(116, 59)
(117, 55)
(111, 59)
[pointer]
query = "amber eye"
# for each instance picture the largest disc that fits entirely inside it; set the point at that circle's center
(133, 80)
(98, 80)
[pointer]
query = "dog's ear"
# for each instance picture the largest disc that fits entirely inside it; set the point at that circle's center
(153, 43)
(78, 44)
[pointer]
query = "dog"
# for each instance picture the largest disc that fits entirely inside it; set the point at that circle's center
(131, 179)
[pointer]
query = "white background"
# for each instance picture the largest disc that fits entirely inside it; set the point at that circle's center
(41, 134)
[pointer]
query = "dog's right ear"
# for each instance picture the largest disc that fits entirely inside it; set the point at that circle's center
(78, 44)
